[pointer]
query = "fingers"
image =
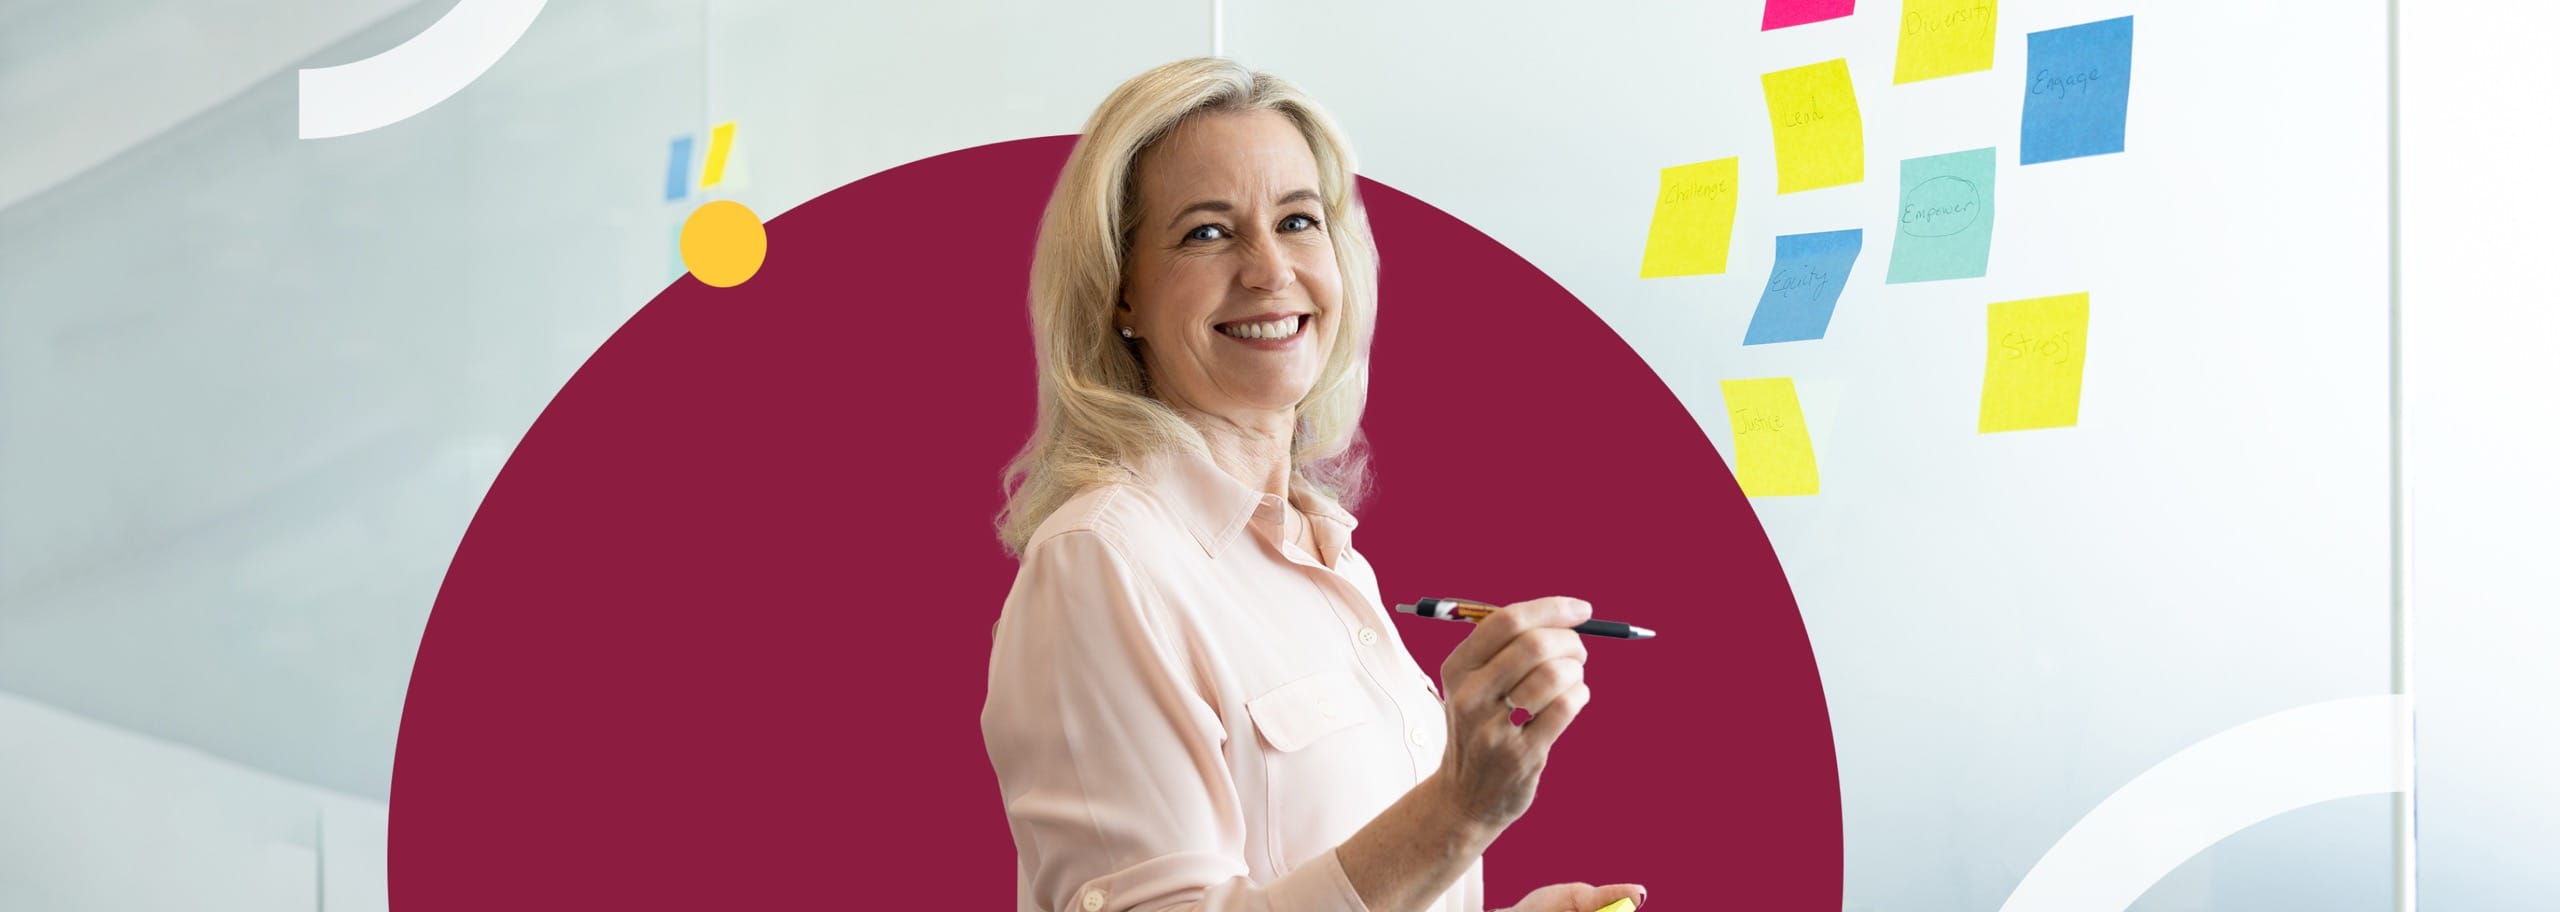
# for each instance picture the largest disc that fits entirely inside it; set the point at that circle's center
(1496, 632)
(1545, 727)
(1609, 893)
(1535, 668)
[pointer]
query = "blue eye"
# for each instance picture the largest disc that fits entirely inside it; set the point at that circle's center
(1196, 236)
(1284, 223)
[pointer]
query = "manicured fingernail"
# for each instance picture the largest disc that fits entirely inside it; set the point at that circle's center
(1639, 897)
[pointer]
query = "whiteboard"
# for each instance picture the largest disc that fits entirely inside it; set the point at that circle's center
(2010, 626)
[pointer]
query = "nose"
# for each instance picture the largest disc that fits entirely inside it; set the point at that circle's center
(1266, 267)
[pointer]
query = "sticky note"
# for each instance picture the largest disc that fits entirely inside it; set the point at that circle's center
(1943, 38)
(1813, 119)
(680, 167)
(675, 250)
(1804, 286)
(1772, 452)
(1779, 14)
(1942, 227)
(716, 162)
(1623, 904)
(2078, 81)
(1692, 220)
(2031, 376)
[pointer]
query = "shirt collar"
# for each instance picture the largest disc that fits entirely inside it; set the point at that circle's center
(1215, 507)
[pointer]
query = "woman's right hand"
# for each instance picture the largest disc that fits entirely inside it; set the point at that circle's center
(1525, 655)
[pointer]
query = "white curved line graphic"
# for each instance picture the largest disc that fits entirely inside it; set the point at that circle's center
(391, 86)
(2212, 789)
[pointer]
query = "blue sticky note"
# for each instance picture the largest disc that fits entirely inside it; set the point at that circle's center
(680, 168)
(1942, 228)
(1804, 286)
(2078, 79)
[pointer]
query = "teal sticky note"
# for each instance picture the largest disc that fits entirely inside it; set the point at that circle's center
(675, 251)
(1942, 229)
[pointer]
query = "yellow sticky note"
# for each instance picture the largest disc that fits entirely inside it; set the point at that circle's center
(1692, 220)
(1813, 116)
(2031, 378)
(1622, 905)
(1943, 38)
(1772, 451)
(716, 162)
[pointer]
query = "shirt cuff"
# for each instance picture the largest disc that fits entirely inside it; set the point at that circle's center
(1319, 883)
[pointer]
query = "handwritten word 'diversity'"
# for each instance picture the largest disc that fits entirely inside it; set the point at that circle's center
(1922, 23)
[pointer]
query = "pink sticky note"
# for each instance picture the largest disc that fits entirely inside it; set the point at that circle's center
(1782, 13)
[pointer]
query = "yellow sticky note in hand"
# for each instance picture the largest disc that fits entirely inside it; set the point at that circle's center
(1623, 904)
(1772, 451)
(1813, 117)
(2031, 378)
(1943, 38)
(1692, 220)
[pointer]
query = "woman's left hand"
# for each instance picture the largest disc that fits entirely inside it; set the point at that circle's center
(1577, 897)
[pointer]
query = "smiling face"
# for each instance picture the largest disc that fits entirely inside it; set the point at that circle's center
(1231, 283)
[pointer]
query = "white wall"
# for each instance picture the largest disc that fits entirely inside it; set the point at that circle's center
(96, 818)
(2483, 387)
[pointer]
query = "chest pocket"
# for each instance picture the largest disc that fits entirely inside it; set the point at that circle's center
(1319, 765)
(1295, 714)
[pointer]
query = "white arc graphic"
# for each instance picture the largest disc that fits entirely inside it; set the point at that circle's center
(391, 86)
(2214, 788)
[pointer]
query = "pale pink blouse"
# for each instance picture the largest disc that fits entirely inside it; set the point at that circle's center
(1186, 712)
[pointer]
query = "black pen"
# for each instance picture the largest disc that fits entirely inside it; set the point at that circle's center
(1463, 610)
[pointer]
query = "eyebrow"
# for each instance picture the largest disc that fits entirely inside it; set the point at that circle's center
(1295, 196)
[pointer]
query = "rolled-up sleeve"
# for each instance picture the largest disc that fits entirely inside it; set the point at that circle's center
(1110, 755)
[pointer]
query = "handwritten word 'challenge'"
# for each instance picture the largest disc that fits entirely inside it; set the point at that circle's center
(1679, 192)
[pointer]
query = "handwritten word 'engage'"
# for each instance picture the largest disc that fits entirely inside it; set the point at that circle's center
(2047, 82)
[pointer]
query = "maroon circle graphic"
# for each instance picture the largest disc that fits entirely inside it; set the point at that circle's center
(717, 637)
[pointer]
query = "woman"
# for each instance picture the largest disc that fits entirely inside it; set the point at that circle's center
(1196, 699)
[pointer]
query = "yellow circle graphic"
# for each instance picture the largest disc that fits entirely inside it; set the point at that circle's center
(722, 243)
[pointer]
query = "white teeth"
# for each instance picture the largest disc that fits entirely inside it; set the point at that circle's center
(1277, 329)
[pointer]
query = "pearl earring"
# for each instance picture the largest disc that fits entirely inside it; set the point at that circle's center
(1127, 333)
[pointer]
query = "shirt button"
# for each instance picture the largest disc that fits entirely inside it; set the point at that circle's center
(1092, 900)
(1368, 636)
(1421, 737)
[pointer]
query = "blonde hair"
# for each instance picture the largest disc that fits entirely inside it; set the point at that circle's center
(1096, 413)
